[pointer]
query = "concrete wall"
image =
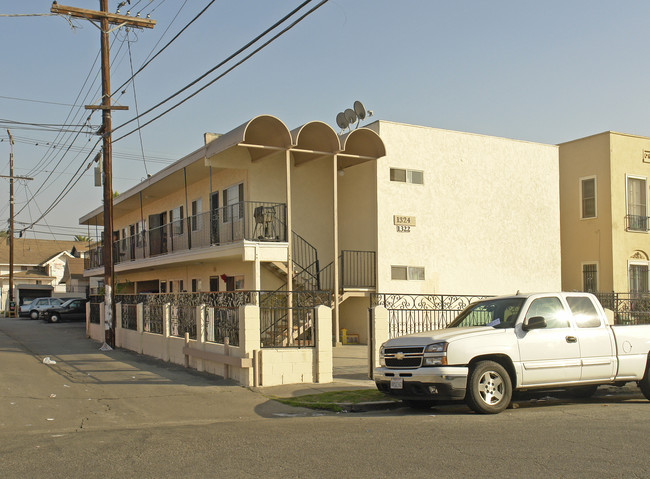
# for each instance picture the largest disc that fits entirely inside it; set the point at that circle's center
(267, 367)
(487, 215)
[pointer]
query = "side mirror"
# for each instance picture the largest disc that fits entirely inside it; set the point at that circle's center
(536, 322)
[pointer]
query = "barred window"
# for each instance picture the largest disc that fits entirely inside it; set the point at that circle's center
(638, 278)
(588, 189)
(589, 277)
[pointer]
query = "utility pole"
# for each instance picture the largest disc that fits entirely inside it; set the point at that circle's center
(10, 296)
(105, 19)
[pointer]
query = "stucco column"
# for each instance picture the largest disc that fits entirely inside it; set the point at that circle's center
(118, 325)
(287, 159)
(378, 331)
(249, 338)
(323, 354)
(335, 216)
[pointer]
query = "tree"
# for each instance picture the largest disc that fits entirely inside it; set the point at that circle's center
(82, 238)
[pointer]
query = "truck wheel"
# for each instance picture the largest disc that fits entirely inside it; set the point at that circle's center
(489, 389)
(420, 403)
(644, 384)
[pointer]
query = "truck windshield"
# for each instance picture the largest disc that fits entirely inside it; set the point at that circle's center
(497, 313)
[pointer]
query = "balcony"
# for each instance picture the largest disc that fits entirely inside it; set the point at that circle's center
(247, 220)
(636, 223)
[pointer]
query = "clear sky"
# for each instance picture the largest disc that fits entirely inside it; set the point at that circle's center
(547, 72)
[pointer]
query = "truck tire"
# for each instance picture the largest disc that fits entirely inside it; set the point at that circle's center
(644, 384)
(489, 389)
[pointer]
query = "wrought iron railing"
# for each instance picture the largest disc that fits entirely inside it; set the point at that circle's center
(636, 223)
(279, 328)
(628, 308)
(247, 220)
(94, 313)
(129, 316)
(415, 313)
(357, 269)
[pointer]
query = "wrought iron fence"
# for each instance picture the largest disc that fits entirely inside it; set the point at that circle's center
(222, 323)
(94, 313)
(628, 308)
(415, 313)
(182, 320)
(358, 269)
(129, 316)
(153, 318)
(284, 325)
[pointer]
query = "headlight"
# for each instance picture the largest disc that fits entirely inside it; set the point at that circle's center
(436, 348)
(382, 350)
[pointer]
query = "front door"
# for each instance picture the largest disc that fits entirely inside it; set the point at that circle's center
(550, 355)
(214, 218)
(157, 234)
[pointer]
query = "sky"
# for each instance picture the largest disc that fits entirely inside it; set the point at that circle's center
(545, 72)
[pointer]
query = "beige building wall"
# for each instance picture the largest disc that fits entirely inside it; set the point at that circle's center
(487, 216)
(586, 240)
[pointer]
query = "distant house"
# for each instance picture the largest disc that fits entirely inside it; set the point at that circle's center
(39, 268)
(73, 277)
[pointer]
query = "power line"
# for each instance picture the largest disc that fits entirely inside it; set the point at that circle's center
(247, 57)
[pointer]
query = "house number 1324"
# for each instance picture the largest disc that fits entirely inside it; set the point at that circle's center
(403, 229)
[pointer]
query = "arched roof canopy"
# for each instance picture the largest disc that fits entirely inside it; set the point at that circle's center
(262, 136)
(359, 146)
(314, 140)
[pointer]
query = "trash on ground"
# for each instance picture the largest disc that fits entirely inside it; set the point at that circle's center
(52, 395)
(105, 347)
(47, 360)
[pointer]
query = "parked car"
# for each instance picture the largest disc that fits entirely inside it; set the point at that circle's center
(33, 309)
(523, 342)
(74, 309)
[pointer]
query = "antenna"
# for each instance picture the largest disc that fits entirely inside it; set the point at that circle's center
(349, 116)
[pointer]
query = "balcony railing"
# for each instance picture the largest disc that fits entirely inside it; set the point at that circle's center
(247, 220)
(636, 223)
(358, 269)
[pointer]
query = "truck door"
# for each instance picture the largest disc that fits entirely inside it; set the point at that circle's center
(595, 339)
(550, 355)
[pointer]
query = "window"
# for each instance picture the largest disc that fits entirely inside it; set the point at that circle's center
(407, 273)
(551, 310)
(407, 176)
(196, 285)
(637, 216)
(176, 220)
(588, 197)
(196, 211)
(231, 198)
(638, 278)
(584, 311)
(590, 277)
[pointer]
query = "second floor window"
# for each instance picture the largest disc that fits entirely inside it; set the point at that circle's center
(231, 198)
(176, 220)
(407, 176)
(588, 197)
(637, 214)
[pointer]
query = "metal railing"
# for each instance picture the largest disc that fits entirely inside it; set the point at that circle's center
(357, 269)
(636, 223)
(415, 313)
(628, 308)
(279, 329)
(246, 220)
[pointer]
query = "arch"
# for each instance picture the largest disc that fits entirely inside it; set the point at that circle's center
(314, 140)
(639, 255)
(360, 145)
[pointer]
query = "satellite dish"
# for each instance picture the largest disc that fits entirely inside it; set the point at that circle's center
(342, 121)
(350, 115)
(360, 110)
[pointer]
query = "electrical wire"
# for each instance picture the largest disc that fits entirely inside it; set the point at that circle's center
(264, 45)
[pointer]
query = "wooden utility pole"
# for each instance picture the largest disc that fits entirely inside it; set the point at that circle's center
(10, 297)
(105, 19)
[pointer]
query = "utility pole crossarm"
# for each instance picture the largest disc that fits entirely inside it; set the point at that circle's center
(113, 18)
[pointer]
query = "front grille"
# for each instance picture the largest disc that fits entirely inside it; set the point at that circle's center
(403, 358)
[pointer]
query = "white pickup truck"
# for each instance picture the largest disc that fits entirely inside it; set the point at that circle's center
(522, 342)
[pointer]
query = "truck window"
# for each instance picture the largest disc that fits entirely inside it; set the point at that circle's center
(497, 313)
(551, 310)
(584, 311)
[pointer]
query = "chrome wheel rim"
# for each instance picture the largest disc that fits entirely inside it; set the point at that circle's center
(491, 388)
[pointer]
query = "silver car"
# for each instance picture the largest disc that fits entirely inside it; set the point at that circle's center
(34, 308)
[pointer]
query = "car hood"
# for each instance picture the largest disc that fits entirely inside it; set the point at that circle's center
(451, 334)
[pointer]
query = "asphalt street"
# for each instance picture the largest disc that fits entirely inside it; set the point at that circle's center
(118, 414)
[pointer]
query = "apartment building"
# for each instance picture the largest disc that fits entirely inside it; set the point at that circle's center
(388, 208)
(604, 212)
